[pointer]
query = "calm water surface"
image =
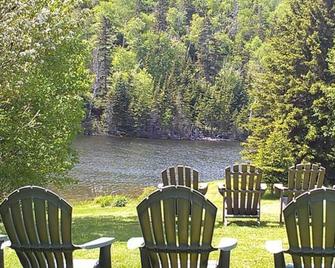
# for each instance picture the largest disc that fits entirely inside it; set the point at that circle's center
(110, 165)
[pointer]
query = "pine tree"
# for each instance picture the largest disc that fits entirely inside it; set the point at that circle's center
(288, 90)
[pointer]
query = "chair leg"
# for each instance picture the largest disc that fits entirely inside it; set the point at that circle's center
(281, 207)
(105, 257)
(2, 264)
(145, 262)
(224, 218)
(279, 260)
(224, 259)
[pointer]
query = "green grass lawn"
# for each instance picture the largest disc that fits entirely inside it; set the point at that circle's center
(91, 221)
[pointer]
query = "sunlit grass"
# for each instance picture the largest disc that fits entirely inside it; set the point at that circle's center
(90, 221)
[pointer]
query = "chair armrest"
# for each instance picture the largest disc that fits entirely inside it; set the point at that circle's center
(221, 188)
(4, 242)
(263, 187)
(203, 187)
(135, 242)
(97, 243)
(227, 244)
(160, 185)
(3, 238)
(279, 186)
(274, 246)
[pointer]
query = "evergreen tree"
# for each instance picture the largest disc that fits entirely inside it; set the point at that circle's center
(290, 88)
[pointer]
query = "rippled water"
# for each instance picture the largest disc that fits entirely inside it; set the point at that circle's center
(125, 165)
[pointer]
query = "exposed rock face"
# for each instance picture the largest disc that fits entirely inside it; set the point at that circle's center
(101, 65)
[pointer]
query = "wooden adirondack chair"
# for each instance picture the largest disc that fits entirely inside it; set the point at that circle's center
(242, 192)
(38, 224)
(301, 178)
(182, 239)
(310, 227)
(183, 175)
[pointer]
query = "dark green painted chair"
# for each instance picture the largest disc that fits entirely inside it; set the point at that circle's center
(301, 178)
(172, 236)
(310, 227)
(242, 191)
(183, 175)
(38, 225)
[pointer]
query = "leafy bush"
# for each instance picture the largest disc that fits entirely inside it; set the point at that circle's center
(110, 200)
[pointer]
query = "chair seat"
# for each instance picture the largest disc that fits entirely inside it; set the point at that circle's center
(85, 263)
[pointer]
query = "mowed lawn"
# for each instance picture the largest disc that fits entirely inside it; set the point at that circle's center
(91, 221)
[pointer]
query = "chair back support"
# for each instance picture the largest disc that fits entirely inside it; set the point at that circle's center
(310, 226)
(243, 186)
(304, 177)
(177, 225)
(38, 224)
(181, 175)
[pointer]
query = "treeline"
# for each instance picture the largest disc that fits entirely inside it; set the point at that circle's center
(257, 69)
(177, 69)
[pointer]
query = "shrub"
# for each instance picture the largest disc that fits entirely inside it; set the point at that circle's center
(110, 200)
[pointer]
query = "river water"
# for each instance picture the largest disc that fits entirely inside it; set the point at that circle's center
(109, 165)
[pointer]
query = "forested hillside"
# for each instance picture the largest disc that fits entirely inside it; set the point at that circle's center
(177, 69)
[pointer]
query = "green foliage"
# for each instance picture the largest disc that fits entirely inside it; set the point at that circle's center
(111, 200)
(43, 76)
(182, 50)
(292, 107)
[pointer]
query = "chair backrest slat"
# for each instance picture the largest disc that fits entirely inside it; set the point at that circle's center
(53, 221)
(310, 227)
(236, 183)
(195, 179)
(188, 177)
(229, 201)
(169, 206)
(181, 175)
(244, 169)
(183, 206)
(316, 208)
(177, 225)
(207, 236)
(180, 172)
(38, 224)
(196, 214)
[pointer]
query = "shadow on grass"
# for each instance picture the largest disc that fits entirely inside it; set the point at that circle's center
(121, 228)
(250, 223)
(270, 196)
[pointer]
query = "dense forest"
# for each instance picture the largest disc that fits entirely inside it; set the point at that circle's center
(176, 69)
(262, 71)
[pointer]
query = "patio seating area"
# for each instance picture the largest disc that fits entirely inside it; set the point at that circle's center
(175, 224)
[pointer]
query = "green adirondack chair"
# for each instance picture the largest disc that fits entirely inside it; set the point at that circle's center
(183, 175)
(38, 224)
(172, 236)
(310, 227)
(301, 178)
(242, 191)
